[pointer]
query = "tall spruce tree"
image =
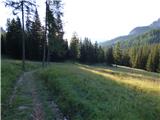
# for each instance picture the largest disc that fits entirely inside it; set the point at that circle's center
(95, 56)
(22, 6)
(145, 51)
(125, 59)
(109, 56)
(100, 55)
(153, 59)
(57, 46)
(138, 59)
(82, 52)
(87, 46)
(74, 48)
(36, 38)
(117, 54)
(13, 38)
(28, 37)
(132, 55)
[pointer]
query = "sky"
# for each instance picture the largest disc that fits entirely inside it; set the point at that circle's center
(99, 20)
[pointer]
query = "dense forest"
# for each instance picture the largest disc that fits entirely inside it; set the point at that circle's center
(35, 36)
(143, 56)
(142, 51)
(151, 37)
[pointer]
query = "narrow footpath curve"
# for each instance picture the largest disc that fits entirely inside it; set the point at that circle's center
(31, 101)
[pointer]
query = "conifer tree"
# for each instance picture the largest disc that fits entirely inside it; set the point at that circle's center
(36, 38)
(74, 48)
(13, 38)
(100, 55)
(57, 46)
(132, 55)
(125, 58)
(109, 56)
(95, 52)
(28, 37)
(22, 6)
(138, 59)
(153, 59)
(117, 53)
(82, 52)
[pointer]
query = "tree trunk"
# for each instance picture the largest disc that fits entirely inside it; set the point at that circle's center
(23, 40)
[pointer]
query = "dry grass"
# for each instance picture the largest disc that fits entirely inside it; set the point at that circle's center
(139, 83)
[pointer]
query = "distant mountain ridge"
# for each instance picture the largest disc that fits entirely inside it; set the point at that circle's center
(140, 30)
(136, 32)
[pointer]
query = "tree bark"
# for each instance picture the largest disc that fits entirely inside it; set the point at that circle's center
(23, 40)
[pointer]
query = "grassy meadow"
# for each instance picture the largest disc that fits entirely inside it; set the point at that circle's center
(85, 92)
(10, 72)
(103, 93)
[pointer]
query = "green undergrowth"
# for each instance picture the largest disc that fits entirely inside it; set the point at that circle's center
(83, 95)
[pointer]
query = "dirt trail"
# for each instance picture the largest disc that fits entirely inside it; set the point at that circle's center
(28, 87)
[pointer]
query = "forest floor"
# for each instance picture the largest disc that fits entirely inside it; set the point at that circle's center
(31, 100)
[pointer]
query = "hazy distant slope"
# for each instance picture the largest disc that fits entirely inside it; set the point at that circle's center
(115, 40)
(140, 30)
(151, 37)
(149, 33)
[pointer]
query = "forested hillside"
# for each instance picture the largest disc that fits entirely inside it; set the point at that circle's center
(142, 52)
(151, 37)
(144, 32)
(137, 50)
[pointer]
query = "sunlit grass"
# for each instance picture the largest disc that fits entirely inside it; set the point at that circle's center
(100, 93)
(143, 84)
(138, 73)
